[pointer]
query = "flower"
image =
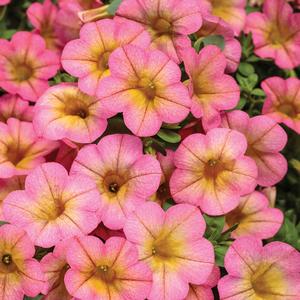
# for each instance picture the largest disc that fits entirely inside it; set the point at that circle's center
(20, 274)
(276, 33)
(54, 205)
(265, 139)
(168, 21)
(124, 175)
(145, 85)
(26, 65)
(4, 2)
(212, 171)
(257, 272)
(87, 57)
(20, 148)
(171, 243)
(211, 90)
(100, 271)
(255, 217)
(283, 101)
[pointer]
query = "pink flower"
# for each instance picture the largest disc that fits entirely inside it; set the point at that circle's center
(257, 272)
(168, 21)
(54, 205)
(145, 85)
(20, 274)
(4, 2)
(211, 90)
(106, 271)
(26, 65)
(171, 243)
(276, 33)
(124, 175)
(212, 171)
(265, 139)
(283, 101)
(87, 57)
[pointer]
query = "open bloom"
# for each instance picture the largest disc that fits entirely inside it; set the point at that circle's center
(145, 85)
(124, 175)
(257, 272)
(283, 101)
(168, 21)
(172, 244)
(106, 271)
(4, 2)
(87, 57)
(54, 205)
(26, 65)
(276, 33)
(211, 90)
(20, 274)
(212, 171)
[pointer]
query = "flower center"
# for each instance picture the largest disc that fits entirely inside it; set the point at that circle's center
(77, 108)
(288, 109)
(212, 168)
(164, 248)
(7, 259)
(105, 273)
(23, 72)
(234, 217)
(113, 187)
(103, 61)
(147, 87)
(113, 183)
(162, 26)
(15, 153)
(277, 36)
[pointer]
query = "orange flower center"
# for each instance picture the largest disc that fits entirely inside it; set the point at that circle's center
(147, 87)
(7, 264)
(162, 26)
(113, 183)
(105, 273)
(103, 61)
(51, 209)
(288, 109)
(235, 217)
(75, 107)
(15, 153)
(7, 259)
(213, 168)
(22, 72)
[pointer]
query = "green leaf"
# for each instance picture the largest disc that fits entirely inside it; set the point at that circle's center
(169, 136)
(7, 34)
(214, 227)
(171, 126)
(220, 252)
(258, 93)
(217, 40)
(35, 298)
(246, 69)
(2, 223)
(241, 103)
(253, 58)
(2, 12)
(198, 45)
(112, 8)
(169, 203)
(247, 83)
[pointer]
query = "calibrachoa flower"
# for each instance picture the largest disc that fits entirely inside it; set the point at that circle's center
(257, 272)
(106, 271)
(145, 85)
(265, 139)
(124, 175)
(276, 33)
(87, 57)
(54, 205)
(26, 65)
(4, 2)
(255, 217)
(212, 171)
(65, 112)
(20, 148)
(283, 101)
(168, 21)
(172, 244)
(211, 90)
(20, 274)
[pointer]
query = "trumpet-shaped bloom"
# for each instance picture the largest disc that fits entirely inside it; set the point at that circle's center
(257, 272)
(65, 112)
(211, 90)
(124, 175)
(54, 205)
(106, 271)
(145, 85)
(283, 101)
(20, 274)
(172, 244)
(212, 171)
(87, 57)
(276, 33)
(255, 217)
(169, 22)
(265, 139)
(26, 65)
(20, 148)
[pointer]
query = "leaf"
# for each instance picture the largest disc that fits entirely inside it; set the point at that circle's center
(220, 252)
(35, 298)
(2, 223)
(198, 45)
(246, 69)
(247, 83)
(258, 93)
(217, 40)
(241, 103)
(2, 12)
(169, 136)
(214, 227)
(169, 203)
(171, 126)
(112, 8)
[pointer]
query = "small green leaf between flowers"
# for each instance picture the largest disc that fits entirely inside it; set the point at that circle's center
(217, 40)
(112, 8)
(169, 136)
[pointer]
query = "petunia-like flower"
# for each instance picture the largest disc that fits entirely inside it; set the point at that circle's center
(255, 217)
(26, 65)
(65, 112)
(106, 271)
(20, 274)
(212, 171)
(276, 33)
(145, 85)
(124, 175)
(283, 101)
(265, 139)
(172, 244)
(168, 21)
(4, 2)
(87, 57)
(54, 205)
(211, 90)
(257, 272)
(20, 148)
